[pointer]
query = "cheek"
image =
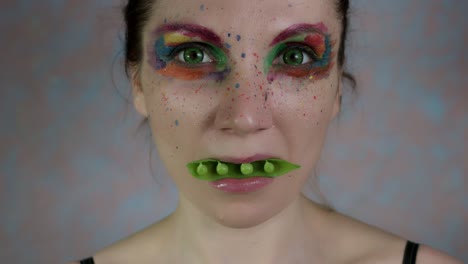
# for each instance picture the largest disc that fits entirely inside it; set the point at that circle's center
(177, 115)
(303, 112)
(303, 102)
(176, 107)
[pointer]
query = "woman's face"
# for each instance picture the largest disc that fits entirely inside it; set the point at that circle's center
(235, 79)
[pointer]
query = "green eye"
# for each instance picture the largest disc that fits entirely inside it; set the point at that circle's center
(295, 56)
(193, 55)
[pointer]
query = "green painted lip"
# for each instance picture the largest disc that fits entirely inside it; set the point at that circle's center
(213, 169)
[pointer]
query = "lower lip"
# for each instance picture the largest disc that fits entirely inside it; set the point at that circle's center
(232, 185)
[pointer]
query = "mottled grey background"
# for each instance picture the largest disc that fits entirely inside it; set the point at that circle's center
(75, 176)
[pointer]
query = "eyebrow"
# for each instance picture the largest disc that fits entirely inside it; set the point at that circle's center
(191, 30)
(297, 29)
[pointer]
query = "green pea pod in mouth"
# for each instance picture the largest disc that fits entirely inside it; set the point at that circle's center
(212, 169)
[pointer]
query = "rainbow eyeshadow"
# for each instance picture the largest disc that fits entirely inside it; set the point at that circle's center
(301, 41)
(173, 40)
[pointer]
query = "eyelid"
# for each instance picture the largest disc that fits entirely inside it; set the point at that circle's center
(204, 46)
(304, 47)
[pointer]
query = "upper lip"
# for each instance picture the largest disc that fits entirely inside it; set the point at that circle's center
(245, 159)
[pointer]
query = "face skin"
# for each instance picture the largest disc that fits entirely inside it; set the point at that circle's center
(241, 98)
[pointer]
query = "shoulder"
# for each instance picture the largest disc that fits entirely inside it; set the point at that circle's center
(425, 255)
(363, 243)
(428, 255)
(359, 242)
(145, 246)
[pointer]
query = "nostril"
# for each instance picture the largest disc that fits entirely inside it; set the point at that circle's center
(227, 129)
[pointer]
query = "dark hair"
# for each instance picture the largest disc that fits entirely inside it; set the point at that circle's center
(342, 8)
(136, 14)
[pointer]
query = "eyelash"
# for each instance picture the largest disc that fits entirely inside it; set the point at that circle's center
(178, 52)
(211, 58)
(293, 45)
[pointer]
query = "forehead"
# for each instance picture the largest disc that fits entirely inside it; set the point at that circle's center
(253, 18)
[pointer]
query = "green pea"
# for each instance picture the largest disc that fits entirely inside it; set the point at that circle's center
(246, 168)
(202, 170)
(222, 169)
(212, 169)
(269, 167)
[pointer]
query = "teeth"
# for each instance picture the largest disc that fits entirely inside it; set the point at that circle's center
(246, 168)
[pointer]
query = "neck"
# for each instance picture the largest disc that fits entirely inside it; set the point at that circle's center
(285, 238)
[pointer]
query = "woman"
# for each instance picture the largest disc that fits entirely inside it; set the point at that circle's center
(239, 96)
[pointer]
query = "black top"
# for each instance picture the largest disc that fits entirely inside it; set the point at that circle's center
(409, 257)
(411, 251)
(87, 261)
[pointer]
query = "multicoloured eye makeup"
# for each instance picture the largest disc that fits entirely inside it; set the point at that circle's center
(188, 52)
(302, 51)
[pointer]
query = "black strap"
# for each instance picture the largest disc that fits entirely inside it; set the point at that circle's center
(411, 251)
(87, 261)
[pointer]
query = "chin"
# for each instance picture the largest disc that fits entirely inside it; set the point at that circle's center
(245, 210)
(249, 210)
(244, 215)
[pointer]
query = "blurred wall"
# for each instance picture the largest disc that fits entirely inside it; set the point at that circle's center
(75, 175)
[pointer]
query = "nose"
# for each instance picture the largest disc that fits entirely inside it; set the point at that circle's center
(245, 110)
